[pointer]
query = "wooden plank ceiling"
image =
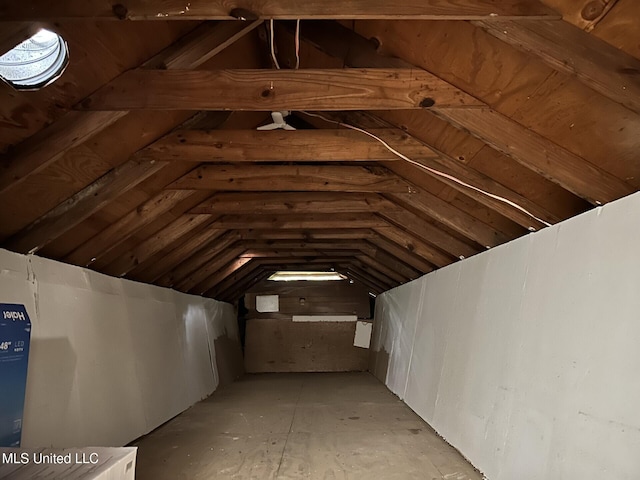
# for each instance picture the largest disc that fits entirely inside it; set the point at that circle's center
(143, 160)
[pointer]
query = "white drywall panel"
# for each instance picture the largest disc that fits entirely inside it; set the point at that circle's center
(396, 336)
(267, 303)
(110, 359)
(525, 357)
(362, 338)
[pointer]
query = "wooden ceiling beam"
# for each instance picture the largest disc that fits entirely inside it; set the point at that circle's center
(398, 263)
(196, 258)
(302, 246)
(388, 263)
(448, 165)
(181, 226)
(233, 293)
(300, 221)
(272, 178)
(539, 154)
(451, 216)
(564, 47)
(321, 145)
(268, 90)
(227, 273)
(74, 128)
(231, 273)
(500, 132)
(308, 235)
(163, 262)
(415, 244)
(50, 143)
(118, 231)
(377, 248)
(285, 203)
(371, 271)
(430, 233)
(352, 271)
(384, 269)
(201, 45)
(401, 253)
(195, 282)
(83, 204)
(372, 285)
(281, 10)
(306, 253)
(243, 274)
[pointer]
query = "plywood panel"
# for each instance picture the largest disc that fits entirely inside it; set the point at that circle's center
(312, 298)
(285, 346)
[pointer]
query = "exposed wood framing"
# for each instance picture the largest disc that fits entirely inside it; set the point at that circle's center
(176, 229)
(267, 90)
(283, 10)
(301, 221)
(75, 128)
(283, 203)
(212, 209)
(539, 154)
(276, 178)
(279, 146)
(505, 135)
(120, 230)
(84, 203)
(154, 268)
(565, 47)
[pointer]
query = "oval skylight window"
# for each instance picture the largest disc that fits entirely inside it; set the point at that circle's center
(36, 62)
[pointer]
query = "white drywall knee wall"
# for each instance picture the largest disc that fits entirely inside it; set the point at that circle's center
(110, 359)
(526, 357)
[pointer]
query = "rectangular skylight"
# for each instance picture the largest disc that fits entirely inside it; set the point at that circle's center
(307, 276)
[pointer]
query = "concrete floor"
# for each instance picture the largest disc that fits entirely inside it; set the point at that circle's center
(289, 426)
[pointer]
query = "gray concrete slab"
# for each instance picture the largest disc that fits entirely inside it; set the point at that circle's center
(290, 426)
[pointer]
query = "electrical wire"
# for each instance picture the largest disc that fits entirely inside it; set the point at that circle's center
(297, 44)
(432, 170)
(272, 44)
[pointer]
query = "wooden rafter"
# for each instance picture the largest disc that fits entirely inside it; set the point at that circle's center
(194, 259)
(569, 49)
(308, 235)
(165, 261)
(539, 154)
(176, 229)
(448, 165)
(283, 146)
(75, 128)
(417, 226)
(284, 9)
(307, 178)
(116, 233)
(234, 271)
(300, 221)
(83, 204)
(417, 245)
(307, 89)
(279, 203)
(505, 135)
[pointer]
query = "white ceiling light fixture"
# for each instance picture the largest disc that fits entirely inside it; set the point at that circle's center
(279, 121)
(284, 276)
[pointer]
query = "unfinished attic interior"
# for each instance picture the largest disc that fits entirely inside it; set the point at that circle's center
(321, 239)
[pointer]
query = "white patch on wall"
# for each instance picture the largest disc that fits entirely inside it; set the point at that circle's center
(267, 303)
(362, 337)
(325, 318)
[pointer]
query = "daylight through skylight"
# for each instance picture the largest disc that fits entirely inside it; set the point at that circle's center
(36, 62)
